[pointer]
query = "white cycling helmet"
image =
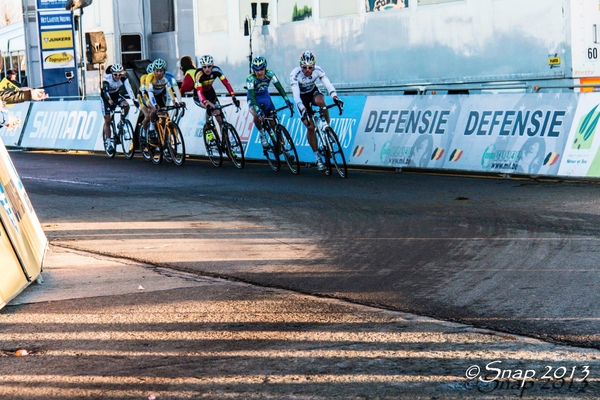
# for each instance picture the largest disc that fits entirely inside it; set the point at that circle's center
(207, 61)
(307, 58)
(116, 68)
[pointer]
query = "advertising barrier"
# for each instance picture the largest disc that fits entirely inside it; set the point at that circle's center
(549, 134)
(23, 243)
(12, 137)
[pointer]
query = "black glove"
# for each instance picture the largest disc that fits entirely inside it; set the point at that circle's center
(236, 102)
(136, 104)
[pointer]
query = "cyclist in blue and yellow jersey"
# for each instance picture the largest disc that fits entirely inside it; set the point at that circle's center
(306, 93)
(158, 84)
(205, 76)
(259, 98)
(111, 94)
(146, 107)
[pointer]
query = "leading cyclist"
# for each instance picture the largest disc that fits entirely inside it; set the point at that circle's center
(306, 93)
(111, 94)
(259, 98)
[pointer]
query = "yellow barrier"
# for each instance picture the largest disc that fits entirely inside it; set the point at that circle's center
(22, 241)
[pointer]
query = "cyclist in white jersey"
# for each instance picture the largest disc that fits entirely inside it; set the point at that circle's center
(306, 93)
(113, 84)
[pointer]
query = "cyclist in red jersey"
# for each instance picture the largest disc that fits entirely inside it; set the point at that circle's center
(205, 76)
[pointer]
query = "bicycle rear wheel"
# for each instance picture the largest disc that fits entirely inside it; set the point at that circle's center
(271, 152)
(235, 152)
(336, 153)
(126, 135)
(175, 144)
(287, 149)
(213, 146)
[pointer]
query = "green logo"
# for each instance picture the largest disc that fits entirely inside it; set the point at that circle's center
(586, 130)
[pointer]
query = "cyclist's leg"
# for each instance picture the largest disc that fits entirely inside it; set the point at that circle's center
(307, 100)
(106, 116)
(319, 100)
(124, 107)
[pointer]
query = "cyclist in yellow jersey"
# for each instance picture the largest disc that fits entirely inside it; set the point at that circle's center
(146, 108)
(158, 84)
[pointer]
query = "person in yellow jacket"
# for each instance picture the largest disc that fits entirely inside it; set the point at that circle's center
(10, 81)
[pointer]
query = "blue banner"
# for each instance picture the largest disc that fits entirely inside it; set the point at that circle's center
(50, 4)
(75, 125)
(58, 55)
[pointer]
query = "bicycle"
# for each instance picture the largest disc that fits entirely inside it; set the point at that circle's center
(229, 143)
(286, 148)
(169, 144)
(327, 141)
(121, 133)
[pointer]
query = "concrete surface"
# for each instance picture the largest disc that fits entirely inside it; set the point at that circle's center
(102, 327)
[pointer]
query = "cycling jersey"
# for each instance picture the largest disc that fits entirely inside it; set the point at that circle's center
(158, 88)
(142, 95)
(204, 84)
(302, 84)
(111, 87)
(258, 90)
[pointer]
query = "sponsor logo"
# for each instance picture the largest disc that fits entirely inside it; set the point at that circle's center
(65, 125)
(515, 123)
(500, 159)
(437, 154)
(407, 121)
(455, 155)
(57, 39)
(586, 130)
(551, 158)
(59, 58)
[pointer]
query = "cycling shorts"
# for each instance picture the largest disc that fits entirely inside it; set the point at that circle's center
(308, 99)
(116, 97)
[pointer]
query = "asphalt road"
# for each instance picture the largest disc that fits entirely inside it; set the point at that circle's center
(511, 255)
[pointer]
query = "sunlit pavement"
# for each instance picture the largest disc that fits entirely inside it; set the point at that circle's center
(102, 327)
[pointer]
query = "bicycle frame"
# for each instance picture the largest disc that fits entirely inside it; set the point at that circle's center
(328, 142)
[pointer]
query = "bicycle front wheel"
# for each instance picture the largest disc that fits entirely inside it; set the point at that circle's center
(144, 146)
(175, 144)
(126, 135)
(287, 149)
(336, 153)
(213, 146)
(156, 150)
(235, 152)
(271, 152)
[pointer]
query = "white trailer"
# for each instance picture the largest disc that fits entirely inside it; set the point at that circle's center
(384, 46)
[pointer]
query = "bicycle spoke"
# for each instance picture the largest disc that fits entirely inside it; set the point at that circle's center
(235, 148)
(213, 146)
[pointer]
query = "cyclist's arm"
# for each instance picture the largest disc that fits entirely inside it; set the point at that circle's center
(321, 74)
(200, 88)
(297, 99)
(173, 88)
(104, 91)
(128, 88)
(252, 93)
(227, 85)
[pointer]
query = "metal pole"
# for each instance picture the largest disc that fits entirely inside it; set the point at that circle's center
(82, 57)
